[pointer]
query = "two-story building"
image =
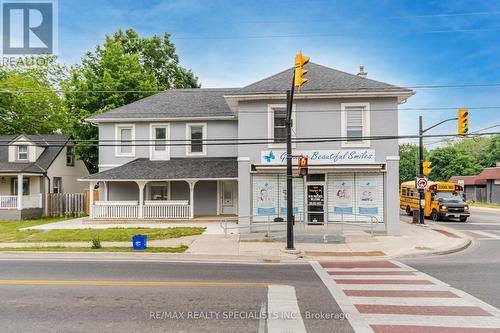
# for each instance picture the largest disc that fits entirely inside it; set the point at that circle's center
(32, 166)
(206, 152)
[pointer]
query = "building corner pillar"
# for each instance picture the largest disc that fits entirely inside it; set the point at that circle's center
(244, 191)
(391, 197)
(19, 192)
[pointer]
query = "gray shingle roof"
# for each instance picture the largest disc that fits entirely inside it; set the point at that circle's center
(207, 103)
(180, 168)
(53, 144)
(320, 79)
(175, 103)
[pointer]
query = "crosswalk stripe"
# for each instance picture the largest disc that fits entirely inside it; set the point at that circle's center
(429, 329)
(392, 287)
(410, 301)
(423, 310)
(446, 321)
(487, 234)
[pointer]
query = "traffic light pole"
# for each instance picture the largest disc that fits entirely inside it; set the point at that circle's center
(289, 174)
(421, 132)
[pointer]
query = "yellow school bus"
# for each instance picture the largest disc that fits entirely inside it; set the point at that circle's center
(442, 200)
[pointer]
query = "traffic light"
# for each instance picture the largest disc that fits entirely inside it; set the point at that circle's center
(463, 121)
(303, 166)
(427, 168)
(300, 61)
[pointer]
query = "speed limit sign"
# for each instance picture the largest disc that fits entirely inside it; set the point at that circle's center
(421, 183)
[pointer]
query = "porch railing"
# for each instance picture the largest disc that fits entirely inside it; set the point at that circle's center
(172, 209)
(28, 201)
(8, 202)
(115, 209)
(177, 209)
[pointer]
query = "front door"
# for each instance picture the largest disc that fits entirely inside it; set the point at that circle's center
(159, 149)
(315, 203)
(228, 200)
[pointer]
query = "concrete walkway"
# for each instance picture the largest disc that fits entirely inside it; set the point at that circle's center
(416, 240)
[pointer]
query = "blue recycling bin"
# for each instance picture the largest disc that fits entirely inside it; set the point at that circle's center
(139, 242)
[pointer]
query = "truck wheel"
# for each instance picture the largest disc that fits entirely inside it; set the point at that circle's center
(463, 219)
(435, 215)
(408, 211)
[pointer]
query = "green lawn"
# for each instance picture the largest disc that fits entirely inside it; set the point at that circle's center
(179, 249)
(9, 232)
(484, 204)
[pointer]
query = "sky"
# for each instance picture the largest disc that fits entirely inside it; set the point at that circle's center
(232, 43)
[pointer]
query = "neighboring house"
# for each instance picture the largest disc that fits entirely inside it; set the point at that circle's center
(32, 165)
(484, 187)
(171, 179)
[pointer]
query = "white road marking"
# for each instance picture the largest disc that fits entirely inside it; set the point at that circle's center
(377, 277)
(426, 320)
(356, 270)
(283, 310)
(486, 234)
(356, 320)
(410, 301)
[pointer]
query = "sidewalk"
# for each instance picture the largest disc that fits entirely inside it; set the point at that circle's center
(416, 240)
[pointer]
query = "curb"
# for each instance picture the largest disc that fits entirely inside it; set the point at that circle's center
(458, 248)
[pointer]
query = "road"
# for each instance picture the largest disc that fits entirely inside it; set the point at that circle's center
(476, 270)
(434, 294)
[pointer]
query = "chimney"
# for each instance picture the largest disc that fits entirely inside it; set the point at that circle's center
(362, 72)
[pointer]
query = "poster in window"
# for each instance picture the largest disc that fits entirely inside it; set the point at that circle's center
(265, 198)
(342, 201)
(367, 197)
(283, 197)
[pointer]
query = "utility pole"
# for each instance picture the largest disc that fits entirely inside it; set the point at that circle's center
(297, 81)
(463, 129)
(421, 169)
(289, 174)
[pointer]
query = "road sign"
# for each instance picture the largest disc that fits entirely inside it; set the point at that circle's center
(421, 183)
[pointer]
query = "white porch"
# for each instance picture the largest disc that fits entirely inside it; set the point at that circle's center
(163, 199)
(18, 192)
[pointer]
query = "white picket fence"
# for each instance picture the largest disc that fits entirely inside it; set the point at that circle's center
(177, 209)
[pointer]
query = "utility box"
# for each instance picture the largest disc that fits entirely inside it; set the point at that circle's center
(416, 216)
(139, 242)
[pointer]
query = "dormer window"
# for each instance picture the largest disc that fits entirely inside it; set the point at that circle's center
(22, 153)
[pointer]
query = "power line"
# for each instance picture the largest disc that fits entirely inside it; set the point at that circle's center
(209, 142)
(472, 133)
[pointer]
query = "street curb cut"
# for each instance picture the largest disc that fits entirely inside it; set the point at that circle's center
(468, 242)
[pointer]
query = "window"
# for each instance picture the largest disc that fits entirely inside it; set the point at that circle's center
(277, 124)
(22, 153)
(196, 133)
(125, 140)
(69, 156)
(160, 138)
(159, 192)
(26, 186)
(355, 119)
(57, 185)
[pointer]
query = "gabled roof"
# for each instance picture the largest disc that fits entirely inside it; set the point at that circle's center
(53, 144)
(174, 103)
(490, 173)
(320, 79)
(202, 103)
(180, 168)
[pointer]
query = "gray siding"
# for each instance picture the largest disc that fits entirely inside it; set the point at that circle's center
(205, 198)
(179, 191)
(253, 124)
(123, 191)
(222, 129)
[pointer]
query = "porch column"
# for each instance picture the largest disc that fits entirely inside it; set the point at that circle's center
(19, 192)
(91, 199)
(105, 188)
(141, 185)
(191, 184)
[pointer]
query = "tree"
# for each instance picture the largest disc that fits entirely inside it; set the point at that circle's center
(29, 104)
(491, 155)
(450, 161)
(124, 69)
(408, 162)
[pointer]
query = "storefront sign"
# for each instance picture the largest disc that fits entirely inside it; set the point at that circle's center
(367, 197)
(321, 157)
